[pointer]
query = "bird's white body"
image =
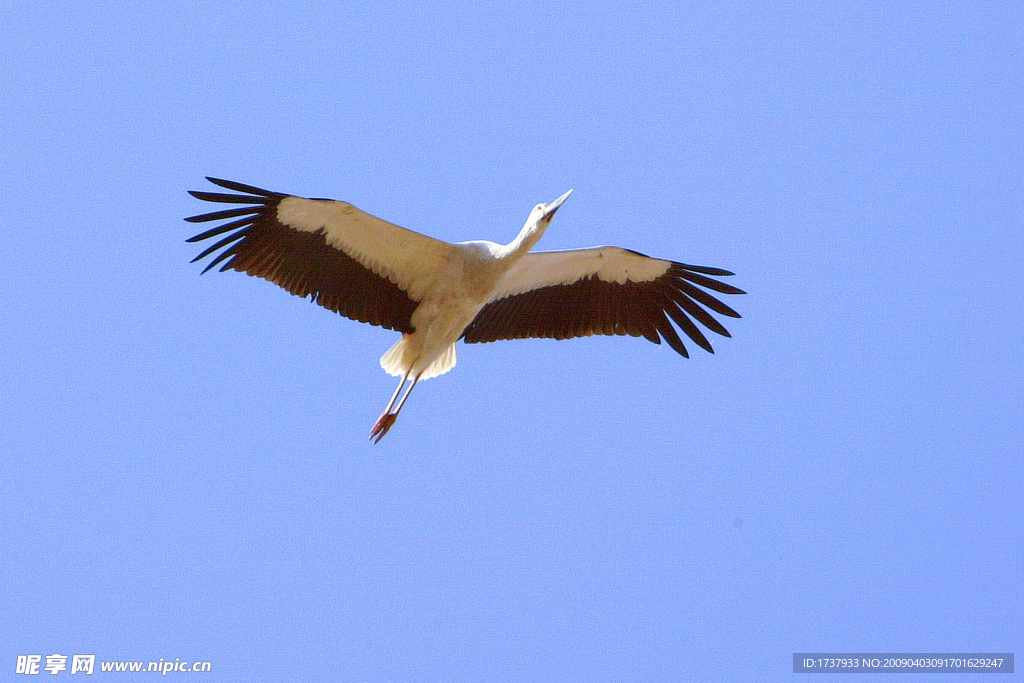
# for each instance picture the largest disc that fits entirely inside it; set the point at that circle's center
(460, 289)
(436, 293)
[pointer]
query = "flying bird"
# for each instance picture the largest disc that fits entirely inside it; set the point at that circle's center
(436, 293)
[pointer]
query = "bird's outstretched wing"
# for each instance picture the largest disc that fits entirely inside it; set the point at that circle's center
(603, 290)
(342, 258)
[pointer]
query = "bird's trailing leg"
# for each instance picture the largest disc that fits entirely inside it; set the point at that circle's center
(388, 418)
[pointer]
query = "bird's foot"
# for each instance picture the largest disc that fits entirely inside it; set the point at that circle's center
(383, 425)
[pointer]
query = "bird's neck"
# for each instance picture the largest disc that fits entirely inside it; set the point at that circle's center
(525, 241)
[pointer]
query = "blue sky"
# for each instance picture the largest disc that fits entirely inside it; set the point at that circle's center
(185, 467)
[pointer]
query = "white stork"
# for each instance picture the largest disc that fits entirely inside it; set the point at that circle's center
(436, 293)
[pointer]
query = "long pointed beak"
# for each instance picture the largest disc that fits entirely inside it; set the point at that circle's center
(553, 206)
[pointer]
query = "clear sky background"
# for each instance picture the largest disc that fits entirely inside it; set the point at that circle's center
(185, 465)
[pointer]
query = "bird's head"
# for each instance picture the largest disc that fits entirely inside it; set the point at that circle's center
(542, 213)
(536, 224)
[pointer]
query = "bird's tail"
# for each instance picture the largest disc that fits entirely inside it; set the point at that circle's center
(395, 362)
